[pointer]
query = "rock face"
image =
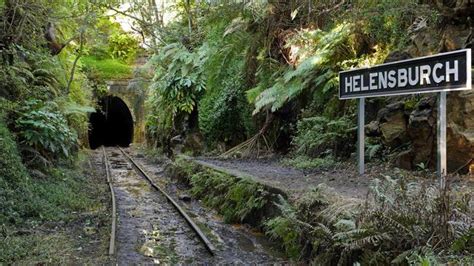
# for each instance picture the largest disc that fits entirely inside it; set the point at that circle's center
(419, 130)
(393, 124)
(460, 130)
(193, 144)
(422, 133)
(416, 129)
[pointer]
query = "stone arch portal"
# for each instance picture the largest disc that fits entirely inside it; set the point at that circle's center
(112, 125)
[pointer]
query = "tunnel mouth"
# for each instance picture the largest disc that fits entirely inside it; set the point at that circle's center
(111, 124)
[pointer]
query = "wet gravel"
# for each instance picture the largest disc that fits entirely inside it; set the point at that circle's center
(150, 231)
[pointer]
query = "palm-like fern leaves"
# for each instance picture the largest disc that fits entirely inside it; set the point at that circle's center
(315, 72)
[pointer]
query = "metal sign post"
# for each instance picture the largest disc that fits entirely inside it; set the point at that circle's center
(361, 135)
(439, 73)
(442, 162)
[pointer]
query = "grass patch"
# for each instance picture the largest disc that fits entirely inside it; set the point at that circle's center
(307, 163)
(35, 249)
(106, 69)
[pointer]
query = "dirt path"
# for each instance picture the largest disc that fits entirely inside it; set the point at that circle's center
(150, 231)
(343, 179)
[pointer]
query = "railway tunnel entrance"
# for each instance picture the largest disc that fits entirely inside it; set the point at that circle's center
(112, 125)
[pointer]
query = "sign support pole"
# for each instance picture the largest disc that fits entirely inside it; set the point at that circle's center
(361, 135)
(441, 141)
(440, 73)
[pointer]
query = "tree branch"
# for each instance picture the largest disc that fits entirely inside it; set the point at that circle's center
(145, 25)
(130, 16)
(73, 69)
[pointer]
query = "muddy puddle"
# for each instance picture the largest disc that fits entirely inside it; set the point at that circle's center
(150, 231)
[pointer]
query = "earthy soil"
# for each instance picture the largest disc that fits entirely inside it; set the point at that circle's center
(150, 230)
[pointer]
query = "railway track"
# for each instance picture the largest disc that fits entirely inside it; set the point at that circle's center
(150, 227)
(118, 165)
(114, 204)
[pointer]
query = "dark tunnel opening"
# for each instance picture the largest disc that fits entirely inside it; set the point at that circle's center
(112, 125)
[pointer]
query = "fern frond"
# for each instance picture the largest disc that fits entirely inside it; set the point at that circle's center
(371, 240)
(388, 222)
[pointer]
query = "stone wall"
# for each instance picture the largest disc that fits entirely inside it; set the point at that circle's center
(133, 93)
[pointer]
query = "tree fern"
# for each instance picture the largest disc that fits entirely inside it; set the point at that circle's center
(330, 48)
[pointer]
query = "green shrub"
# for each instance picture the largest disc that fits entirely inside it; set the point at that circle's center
(400, 223)
(13, 178)
(35, 75)
(390, 25)
(316, 71)
(285, 228)
(44, 133)
(224, 114)
(123, 46)
(178, 80)
(320, 135)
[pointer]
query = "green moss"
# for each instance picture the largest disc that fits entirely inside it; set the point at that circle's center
(411, 103)
(106, 69)
(234, 198)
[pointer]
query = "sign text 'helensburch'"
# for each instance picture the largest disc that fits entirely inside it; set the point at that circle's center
(441, 72)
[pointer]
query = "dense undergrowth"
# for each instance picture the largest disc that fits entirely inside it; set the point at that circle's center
(106, 69)
(264, 74)
(402, 221)
(46, 94)
(28, 202)
(399, 223)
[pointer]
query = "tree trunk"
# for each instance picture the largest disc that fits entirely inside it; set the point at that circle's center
(190, 19)
(73, 69)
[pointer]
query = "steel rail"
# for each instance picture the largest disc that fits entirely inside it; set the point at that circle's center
(114, 204)
(209, 246)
